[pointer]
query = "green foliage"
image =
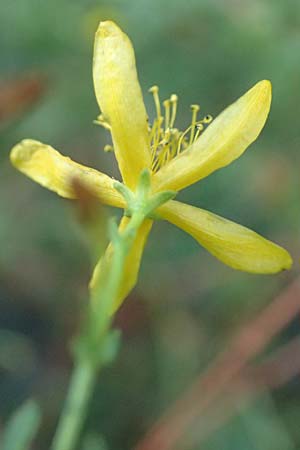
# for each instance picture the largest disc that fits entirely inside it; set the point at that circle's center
(94, 442)
(22, 427)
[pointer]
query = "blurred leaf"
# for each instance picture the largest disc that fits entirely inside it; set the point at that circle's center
(255, 427)
(22, 427)
(94, 442)
(265, 427)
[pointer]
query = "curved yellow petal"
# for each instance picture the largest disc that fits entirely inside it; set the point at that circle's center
(225, 139)
(120, 99)
(48, 167)
(132, 263)
(233, 244)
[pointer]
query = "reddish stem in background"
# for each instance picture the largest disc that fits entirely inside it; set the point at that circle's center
(251, 339)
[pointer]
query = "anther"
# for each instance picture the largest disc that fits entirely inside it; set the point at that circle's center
(207, 119)
(101, 120)
(195, 109)
(166, 141)
(154, 91)
(199, 127)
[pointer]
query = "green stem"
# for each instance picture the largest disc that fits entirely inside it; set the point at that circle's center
(88, 364)
(120, 251)
(97, 344)
(76, 405)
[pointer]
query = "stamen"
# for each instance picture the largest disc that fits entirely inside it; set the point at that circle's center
(177, 134)
(108, 148)
(154, 91)
(182, 138)
(174, 101)
(166, 104)
(103, 122)
(207, 119)
(199, 127)
(155, 141)
(166, 141)
(195, 109)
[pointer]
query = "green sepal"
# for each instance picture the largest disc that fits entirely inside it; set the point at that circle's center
(159, 199)
(143, 200)
(144, 183)
(124, 191)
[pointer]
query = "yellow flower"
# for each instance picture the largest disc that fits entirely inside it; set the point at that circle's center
(176, 159)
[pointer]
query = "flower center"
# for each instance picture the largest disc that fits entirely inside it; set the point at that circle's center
(166, 141)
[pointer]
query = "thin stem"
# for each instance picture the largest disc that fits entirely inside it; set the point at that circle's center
(97, 344)
(75, 408)
(88, 364)
(120, 251)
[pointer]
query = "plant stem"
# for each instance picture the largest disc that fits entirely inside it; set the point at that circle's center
(76, 405)
(97, 344)
(87, 365)
(120, 251)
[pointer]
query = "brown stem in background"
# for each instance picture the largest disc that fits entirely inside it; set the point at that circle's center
(244, 389)
(251, 340)
(19, 94)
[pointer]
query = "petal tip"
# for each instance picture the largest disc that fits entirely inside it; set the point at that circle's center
(285, 261)
(23, 151)
(266, 84)
(288, 261)
(108, 28)
(264, 88)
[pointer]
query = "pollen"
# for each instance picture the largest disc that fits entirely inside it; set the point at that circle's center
(167, 141)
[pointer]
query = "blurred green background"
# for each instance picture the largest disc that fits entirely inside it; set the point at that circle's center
(187, 305)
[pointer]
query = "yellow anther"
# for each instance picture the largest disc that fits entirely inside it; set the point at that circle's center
(207, 119)
(199, 127)
(103, 122)
(154, 91)
(108, 148)
(195, 107)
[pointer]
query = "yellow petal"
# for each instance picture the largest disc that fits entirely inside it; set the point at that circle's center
(120, 99)
(132, 263)
(48, 167)
(233, 244)
(225, 139)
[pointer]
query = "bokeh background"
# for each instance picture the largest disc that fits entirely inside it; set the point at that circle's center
(187, 305)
